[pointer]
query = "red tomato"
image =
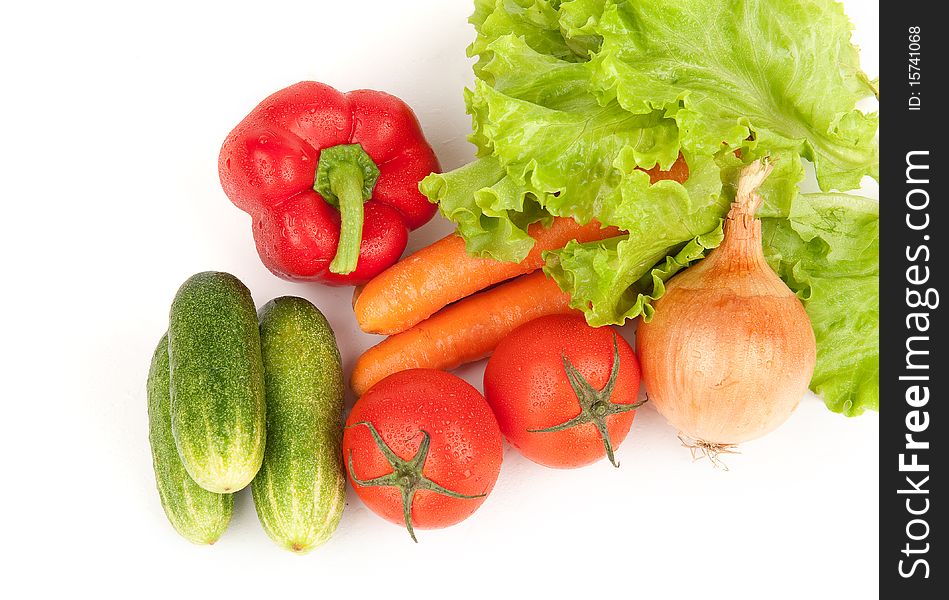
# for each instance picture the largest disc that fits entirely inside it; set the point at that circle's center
(549, 385)
(422, 448)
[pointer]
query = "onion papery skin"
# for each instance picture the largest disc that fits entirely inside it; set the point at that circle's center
(730, 350)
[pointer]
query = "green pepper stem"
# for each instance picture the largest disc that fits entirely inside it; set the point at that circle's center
(346, 181)
(345, 177)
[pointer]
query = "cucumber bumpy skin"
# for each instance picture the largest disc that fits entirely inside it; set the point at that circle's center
(301, 487)
(198, 515)
(218, 410)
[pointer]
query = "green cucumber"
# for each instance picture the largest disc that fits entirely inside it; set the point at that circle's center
(198, 515)
(300, 489)
(218, 412)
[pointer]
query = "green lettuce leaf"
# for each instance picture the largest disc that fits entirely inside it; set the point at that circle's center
(536, 22)
(491, 210)
(546, 144)
(571, 154)
(574, 98)
(783, 73)
(669, 225)
(827, 250)
(578, 22)
(592, 272)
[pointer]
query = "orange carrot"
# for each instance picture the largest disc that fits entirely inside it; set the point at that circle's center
(463, 332)
(679, 171)
(416, 287)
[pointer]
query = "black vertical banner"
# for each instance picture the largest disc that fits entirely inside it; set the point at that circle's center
(913, 366)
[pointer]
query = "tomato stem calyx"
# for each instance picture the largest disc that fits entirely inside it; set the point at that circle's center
(595, 405)
(406, 474)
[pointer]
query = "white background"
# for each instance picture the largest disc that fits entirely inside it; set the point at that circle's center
(113, 115)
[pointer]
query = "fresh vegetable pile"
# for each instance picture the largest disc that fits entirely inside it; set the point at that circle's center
(636, 158)
(573, 100)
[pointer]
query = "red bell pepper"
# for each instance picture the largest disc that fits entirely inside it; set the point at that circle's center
(330, 180)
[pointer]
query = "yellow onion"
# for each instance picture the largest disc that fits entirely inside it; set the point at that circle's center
(730, 351)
